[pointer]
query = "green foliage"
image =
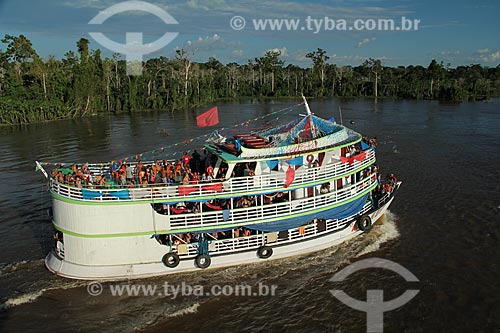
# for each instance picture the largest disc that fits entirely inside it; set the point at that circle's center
(33, 89)
(14, 111)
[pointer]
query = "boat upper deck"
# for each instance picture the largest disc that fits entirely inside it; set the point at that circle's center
(274, 181)
(308, 135)
(313, 147)
(228, 152)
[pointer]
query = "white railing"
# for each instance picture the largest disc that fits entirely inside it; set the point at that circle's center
(242, 216)
(231, 245)
(311, 230)
(233, 187)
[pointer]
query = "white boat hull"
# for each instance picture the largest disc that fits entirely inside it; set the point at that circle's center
(67, 269)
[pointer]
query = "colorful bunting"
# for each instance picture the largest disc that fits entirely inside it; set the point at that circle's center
(350, 160)
(167, 148)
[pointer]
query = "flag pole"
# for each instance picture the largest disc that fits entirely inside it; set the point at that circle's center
(307, 106)
(40, 167)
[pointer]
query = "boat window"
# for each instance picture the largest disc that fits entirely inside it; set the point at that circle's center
(244, 169)
(178, 208)
(221, 173)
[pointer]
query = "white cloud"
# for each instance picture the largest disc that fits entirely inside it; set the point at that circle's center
(220, 9)
(98, 4)
(450, 53)
(283, 51)
(299, 56)
(492, 57)
(483, 51)
(356, 59)
(208, 43)
(347, 58)
(366, 41)
(237, 53)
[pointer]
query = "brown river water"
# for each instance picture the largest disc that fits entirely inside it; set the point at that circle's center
(443, 226)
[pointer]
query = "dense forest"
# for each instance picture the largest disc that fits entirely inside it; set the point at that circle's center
(83, 83)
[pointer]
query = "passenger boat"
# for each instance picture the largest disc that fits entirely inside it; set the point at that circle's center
(288, 190)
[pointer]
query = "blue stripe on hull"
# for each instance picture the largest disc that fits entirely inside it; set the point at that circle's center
(335, 213)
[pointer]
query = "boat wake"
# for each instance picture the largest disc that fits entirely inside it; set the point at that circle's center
(6, 268)
(293, 276)
(22, 299)
(31, 296)
(381, 233)
(32, 277)
(185, 311)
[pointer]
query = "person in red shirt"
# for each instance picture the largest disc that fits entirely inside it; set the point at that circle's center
(186, 159)
(210, 171)
(196, 178)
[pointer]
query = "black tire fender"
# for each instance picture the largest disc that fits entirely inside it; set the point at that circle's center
(203, 261)
(364, 223)
(171, 259)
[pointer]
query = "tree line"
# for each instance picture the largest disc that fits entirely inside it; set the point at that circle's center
(34, 89)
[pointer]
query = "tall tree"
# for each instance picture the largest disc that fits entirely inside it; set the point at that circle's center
(271, 63)
(183, 57)
(436, 73)
(83, 49)
(375, 66)
(19, 50)
(319, 59)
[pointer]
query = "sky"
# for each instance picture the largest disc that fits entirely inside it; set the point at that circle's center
(459, 32)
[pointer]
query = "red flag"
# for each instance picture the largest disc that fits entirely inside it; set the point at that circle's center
(187, 189)
(290, 176)
(208, 118)
(360, 157)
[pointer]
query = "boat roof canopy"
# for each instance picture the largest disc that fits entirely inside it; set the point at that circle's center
(308, 128)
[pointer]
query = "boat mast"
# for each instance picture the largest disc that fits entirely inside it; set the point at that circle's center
(309, 113)
(307, 106)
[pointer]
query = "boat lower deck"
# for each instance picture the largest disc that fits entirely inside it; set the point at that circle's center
(230, 252)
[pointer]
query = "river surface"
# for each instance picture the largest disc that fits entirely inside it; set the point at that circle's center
(443, 226)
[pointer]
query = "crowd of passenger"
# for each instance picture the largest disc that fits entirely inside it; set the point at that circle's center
(189, 169)
(383, 189)
(372, 142)
(385, 186)
(245, 201)
(356, 149)
(189, 237)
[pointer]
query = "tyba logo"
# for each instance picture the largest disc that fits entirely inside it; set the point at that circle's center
(133, 49)
(374, 305)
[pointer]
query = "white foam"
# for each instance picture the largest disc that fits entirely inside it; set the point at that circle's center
(182, 312)
(12, 267)
(23, 299)
(31, 296)
(383, 232)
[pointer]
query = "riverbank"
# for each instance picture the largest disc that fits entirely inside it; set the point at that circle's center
(18, 112)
